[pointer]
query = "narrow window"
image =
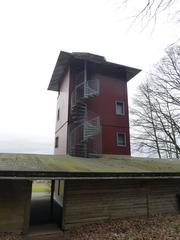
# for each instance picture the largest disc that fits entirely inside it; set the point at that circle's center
(56, 142)
(119, 108)
(121, 139)
(58, 113)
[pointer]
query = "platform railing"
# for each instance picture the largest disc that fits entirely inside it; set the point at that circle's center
(85, 138)
(84, 91)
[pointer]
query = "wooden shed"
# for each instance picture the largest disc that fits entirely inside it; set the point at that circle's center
(15, 199)
(88, 190)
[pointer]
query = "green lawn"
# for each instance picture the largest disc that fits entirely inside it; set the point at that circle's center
(39, 187)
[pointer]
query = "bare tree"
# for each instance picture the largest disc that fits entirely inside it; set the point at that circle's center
(144, 121)
(148, 11)
(156, 112)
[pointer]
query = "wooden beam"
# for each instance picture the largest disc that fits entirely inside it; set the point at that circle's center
(52, 199)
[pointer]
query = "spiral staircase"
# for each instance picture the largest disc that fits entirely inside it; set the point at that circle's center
(85, 130)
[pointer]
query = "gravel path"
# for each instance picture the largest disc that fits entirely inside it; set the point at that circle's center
(10, 236)
(158, 227)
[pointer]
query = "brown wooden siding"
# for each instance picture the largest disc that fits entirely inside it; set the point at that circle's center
(162, 196)
(15, 202)
(93, 200)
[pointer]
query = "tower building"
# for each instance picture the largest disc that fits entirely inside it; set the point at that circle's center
(92, 105)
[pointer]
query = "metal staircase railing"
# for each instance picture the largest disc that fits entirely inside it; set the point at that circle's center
(84, 139)
(76, 147)
(85, 131)
(91, 128)
(84, 91)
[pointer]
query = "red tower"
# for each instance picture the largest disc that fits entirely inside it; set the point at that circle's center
(92, 105)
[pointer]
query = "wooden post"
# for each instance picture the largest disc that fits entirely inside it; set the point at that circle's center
(52, 199)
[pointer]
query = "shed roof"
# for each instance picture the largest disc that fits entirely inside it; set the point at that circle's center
(34, 166)
(65, 58)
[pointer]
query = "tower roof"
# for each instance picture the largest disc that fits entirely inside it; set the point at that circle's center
(65, 58)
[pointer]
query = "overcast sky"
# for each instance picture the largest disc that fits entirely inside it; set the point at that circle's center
(32, 33)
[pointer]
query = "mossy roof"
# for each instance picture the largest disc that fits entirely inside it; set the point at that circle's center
(65, 166)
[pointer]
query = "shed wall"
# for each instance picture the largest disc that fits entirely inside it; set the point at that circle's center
(88, 201)
(15, 202)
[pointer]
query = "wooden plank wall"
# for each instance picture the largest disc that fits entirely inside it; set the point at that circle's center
(15, 200)
(162, 196)
(88, 201)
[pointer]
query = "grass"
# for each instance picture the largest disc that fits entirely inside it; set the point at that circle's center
(41, 187)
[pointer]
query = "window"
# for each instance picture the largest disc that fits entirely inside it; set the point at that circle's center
(58, 114)
(121, 139)
(56, 142)
(119, 108)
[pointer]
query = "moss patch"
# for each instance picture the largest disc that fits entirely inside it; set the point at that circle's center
(106, 163)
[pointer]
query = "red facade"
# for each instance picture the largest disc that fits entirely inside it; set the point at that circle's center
(92, 109)
(111, 91)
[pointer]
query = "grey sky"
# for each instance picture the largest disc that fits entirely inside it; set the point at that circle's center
(32, 34)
